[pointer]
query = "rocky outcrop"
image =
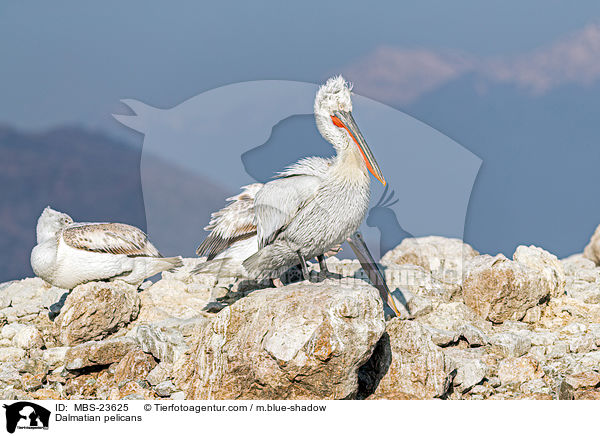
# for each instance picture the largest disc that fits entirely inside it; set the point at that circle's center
(513, 329)
(407, 364)
(444, 258)
(95, 310)
(299, 342)
(98, 353)
(499, 289)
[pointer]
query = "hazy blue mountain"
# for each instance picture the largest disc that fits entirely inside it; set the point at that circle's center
(539, 180)
(93, 178)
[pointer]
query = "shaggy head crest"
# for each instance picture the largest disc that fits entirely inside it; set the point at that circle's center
(334, 95)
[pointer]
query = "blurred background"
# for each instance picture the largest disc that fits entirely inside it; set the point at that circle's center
(515, 83)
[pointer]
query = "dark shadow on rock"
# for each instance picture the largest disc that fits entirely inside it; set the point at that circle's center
(371, 373)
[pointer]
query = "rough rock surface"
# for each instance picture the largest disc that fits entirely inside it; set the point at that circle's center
(499, 289)
(96, 353)
(95, 310)
(407, 364)
(444, 258)
(301, 341)
(311, 340)
(592, 249)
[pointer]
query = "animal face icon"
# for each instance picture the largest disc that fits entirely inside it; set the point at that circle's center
(244, 133)
(26, 414)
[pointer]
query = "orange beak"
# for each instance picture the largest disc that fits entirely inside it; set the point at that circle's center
(345, 120)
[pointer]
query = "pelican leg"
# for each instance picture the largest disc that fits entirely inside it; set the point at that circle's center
(323, 270)
(305, 272)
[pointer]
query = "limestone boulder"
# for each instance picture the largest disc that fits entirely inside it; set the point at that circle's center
(443, 257)
(95, 310)
(304, 341)
(407, 364)
(499, 289)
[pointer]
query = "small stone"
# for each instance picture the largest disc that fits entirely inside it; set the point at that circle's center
(45, 394)
(538, 352)
(134, 366)
(535, 386)
(582, 344)
(9, 374)
(533, 315)
(470, 369)
(474, 336)
(588, 394)
(10, 330)
(55, 356)
(28, 337)
(519, 370)
(31, 366)
(592, 250)
(511, 344)
(31, 382)
(178, 396)
(164, 342)
(499, 289)
(494, 382)
(418, 368)
(165, 389)
(543, 338)
(440, 337)
(557, 350)
(583, 380)
(11, 354)
(131, 390)
(99, 352)
(160, 373)
(442, 257)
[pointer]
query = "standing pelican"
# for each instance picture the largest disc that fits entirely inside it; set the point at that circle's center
(68, 254)
(310, 208)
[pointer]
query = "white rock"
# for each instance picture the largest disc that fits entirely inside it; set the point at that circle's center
(55, 357)
(161, 372)
(443, 257)
(11, 354)
(9, 330)
(499, 289)
(27, 338)
(470, 368)
(511, 344)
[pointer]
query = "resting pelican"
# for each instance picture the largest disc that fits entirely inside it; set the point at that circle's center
(309, 209)
(68, 254)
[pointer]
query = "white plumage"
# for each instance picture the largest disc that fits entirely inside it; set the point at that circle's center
(310, 208)
(68, 254)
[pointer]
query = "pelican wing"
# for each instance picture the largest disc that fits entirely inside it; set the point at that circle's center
(278, 202)
(113, 238)
(233, 223)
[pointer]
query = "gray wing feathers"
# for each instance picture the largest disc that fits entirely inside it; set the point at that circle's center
(233, 223)
(113, 238)
(278, 203)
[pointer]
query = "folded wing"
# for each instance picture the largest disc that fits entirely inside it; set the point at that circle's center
(113, 238)
(235, 222)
